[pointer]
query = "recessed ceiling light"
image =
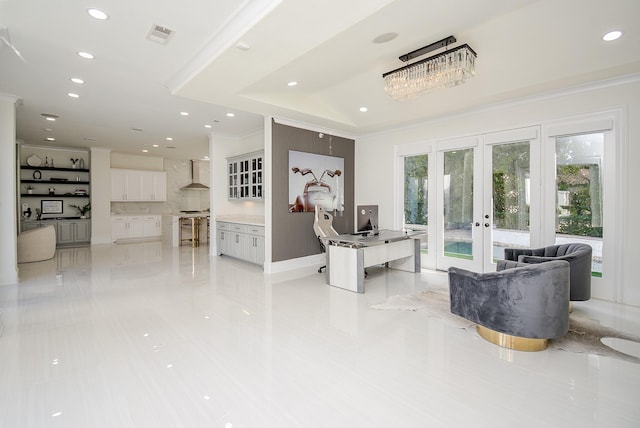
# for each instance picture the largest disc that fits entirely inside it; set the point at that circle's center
(364, 109)
(230, 115)
(169, 138)
(145, 151)
(51, 139)
(86, 55)
(384, 38)
(77, 80)
(89, 139)
(184, 113)
(97, 14)
(51, 119)
(207, 126)
(155, 145)
(292, 83)
(48, 129)
(612, 35)
(72, 95)
(49, 116)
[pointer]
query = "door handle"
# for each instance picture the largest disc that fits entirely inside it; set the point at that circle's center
(486, 225)
(477, 224)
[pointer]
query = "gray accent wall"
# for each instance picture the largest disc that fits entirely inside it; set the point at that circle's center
(292, 233)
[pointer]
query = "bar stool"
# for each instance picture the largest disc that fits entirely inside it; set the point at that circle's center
(192, 225)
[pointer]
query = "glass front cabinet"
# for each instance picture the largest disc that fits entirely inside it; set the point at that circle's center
(245, 176)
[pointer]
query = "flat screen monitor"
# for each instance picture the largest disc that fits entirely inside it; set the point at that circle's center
(368, 218)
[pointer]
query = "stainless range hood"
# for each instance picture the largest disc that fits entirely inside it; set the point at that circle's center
(195, 178)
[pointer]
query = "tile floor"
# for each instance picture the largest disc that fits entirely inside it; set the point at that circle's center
(141, 335)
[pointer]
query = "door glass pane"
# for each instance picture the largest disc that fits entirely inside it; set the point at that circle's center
(511, 197)
(458, 203)
(416, 173)
(579, 161)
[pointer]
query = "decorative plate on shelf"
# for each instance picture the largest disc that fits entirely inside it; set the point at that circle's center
(34, 160)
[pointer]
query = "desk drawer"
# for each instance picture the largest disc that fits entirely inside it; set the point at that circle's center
(222, 225)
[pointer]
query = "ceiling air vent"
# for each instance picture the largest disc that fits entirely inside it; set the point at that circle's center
(160, 34)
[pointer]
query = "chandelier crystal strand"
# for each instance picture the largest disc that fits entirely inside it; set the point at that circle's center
(447, 69)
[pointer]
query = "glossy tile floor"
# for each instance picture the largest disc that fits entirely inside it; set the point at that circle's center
(140, 335)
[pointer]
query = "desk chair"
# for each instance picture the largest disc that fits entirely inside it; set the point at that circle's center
(323, 228)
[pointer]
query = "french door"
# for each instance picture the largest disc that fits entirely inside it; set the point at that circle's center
(487, 198)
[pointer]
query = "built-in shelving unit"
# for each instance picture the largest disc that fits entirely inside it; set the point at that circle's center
(82, 179)
(60, 177)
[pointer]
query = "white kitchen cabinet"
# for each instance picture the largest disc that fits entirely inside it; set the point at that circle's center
(241, 241)
(124, 227)
(135, 227)
(153, 185)
(152, 226)
(223, 238)
(125, 186)
(128, 185)
(255, 244)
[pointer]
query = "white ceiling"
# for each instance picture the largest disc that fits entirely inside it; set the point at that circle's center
(524, 47)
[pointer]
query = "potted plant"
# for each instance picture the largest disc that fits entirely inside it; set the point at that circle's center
(82, 210)
(29, 189)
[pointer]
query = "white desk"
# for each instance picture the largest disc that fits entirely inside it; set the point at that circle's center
(348, 256)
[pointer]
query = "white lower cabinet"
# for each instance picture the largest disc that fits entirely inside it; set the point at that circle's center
(255, 245)
(135, 227)
(223, 238)
(242, 241)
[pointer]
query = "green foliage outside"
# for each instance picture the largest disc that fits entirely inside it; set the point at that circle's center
(510, 172)
(581, 181)
(416, 172)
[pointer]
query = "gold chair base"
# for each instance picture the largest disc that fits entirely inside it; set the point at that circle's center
(511, 342)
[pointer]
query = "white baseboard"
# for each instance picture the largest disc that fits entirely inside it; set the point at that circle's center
(294, 264)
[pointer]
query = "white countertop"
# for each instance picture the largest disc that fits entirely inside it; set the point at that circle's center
(242, 219)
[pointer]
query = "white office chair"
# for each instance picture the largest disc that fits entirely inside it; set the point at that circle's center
(323, 228)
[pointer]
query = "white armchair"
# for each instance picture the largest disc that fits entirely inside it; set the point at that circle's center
(37, 244)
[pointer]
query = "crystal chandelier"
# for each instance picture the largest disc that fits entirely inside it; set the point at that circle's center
(450, 68)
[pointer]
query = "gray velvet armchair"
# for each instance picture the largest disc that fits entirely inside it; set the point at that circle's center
(528, 303)
(578, 255)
